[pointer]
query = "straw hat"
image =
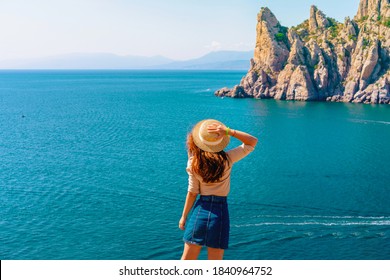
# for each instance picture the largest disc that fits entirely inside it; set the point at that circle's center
(206, 141)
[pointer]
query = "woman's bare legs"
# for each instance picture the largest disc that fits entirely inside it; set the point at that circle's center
(191, 251)
(215, 254)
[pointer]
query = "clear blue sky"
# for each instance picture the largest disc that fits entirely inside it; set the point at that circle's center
(178, 29)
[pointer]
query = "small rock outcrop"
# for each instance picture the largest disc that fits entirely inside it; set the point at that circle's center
(321, 59)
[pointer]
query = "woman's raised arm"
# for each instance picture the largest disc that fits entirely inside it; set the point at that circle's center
(244, 137)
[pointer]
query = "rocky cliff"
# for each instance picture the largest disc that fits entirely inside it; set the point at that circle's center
(321, 59)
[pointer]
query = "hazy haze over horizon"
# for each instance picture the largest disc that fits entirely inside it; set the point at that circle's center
(178, 30)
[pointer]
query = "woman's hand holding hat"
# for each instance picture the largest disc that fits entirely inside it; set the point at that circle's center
(219, 129)
(210, 135)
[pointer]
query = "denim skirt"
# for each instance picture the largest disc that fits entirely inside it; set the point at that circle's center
(209, 223)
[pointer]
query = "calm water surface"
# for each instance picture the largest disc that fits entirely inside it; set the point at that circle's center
(93, 167)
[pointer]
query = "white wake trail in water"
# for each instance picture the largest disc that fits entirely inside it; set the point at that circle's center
(305, 220)
(369, 121)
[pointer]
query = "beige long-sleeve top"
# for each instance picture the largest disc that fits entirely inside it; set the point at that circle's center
(221, 188)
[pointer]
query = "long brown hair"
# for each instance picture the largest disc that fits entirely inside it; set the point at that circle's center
(210, 166)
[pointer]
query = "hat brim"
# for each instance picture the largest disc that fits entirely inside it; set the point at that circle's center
(209, 148)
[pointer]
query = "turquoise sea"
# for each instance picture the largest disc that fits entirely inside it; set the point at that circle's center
(92, 166)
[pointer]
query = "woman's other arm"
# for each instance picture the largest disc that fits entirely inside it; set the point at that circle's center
(190, 199)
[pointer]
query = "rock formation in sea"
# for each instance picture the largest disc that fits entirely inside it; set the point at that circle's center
(321, 59)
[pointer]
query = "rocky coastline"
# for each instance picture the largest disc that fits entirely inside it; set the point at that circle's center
(321, 59)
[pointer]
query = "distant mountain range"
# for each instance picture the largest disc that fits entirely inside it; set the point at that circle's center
(219, 60)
